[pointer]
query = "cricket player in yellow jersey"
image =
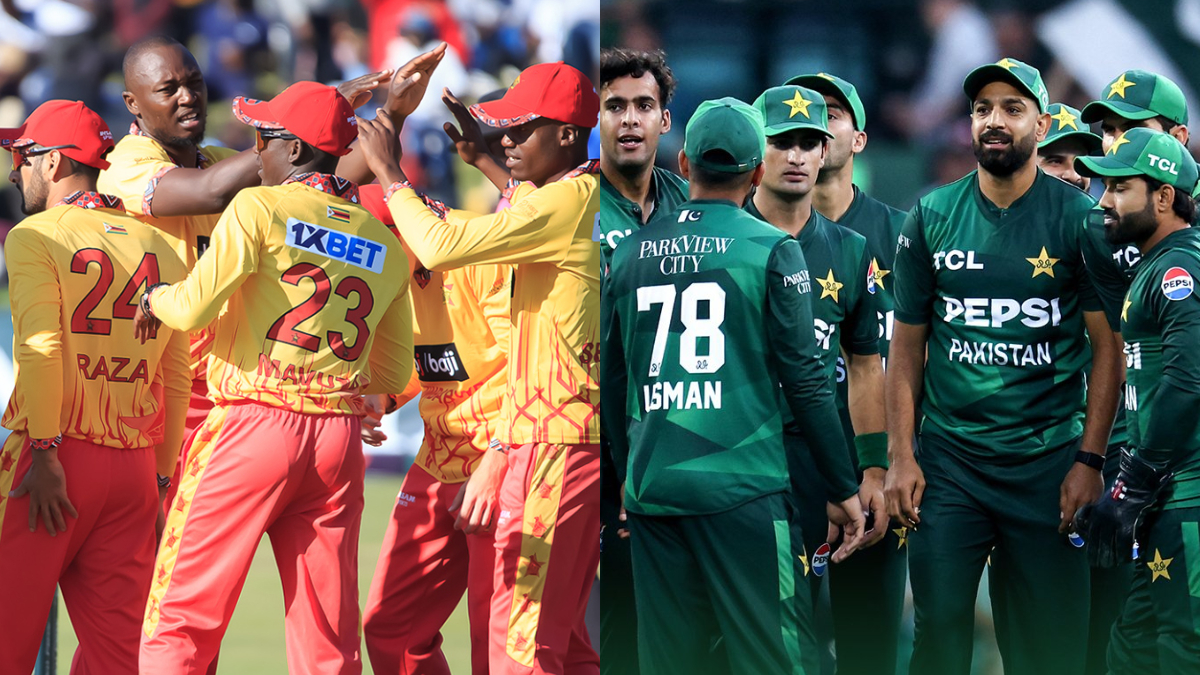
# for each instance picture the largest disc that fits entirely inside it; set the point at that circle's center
(547, 536)
(312, 294)
(93, 410)
(440, 540)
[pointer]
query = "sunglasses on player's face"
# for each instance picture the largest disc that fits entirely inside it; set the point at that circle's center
(20, 156)
(263, 137)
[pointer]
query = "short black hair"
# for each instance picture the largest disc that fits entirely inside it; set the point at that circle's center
(1183, 206)
(137, 49)
(618, 62)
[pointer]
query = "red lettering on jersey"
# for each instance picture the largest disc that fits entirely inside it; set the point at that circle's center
(83, 361)
(289, 373)
(101, 367)
(140, 372)
(116, 374)
(267, 366)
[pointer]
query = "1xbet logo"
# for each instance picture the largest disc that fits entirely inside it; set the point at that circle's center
(340, 246)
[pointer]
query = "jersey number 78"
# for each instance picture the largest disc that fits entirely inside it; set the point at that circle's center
(695, 328)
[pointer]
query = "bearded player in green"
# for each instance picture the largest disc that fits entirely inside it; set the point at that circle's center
(876, 576)
(635, 88)
(844, 320)
(991, 279)
(710, 323)
(1155, 501)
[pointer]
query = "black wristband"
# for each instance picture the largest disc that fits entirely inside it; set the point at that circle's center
(145, 301)
(1090, 459)
(164, 481)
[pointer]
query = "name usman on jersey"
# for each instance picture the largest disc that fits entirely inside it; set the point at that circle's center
(347, 248)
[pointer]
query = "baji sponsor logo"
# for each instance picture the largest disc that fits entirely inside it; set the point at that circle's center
(439, 363)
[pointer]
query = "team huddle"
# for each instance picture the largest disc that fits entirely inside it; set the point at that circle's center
(205, 338)
(747, 463)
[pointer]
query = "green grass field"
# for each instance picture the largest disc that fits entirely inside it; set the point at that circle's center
(254, 642)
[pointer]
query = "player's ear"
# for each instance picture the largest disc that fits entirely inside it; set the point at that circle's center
(685, 169)
(567, 135)
(860, 142)
(757, 176)
(296, 151)
(666, 117)
(1043, 126)
(1180, 132)
(131, 104)
(56, 166)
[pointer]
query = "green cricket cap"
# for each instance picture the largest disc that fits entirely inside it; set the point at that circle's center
(1065, 124)
(832, 85)
(1017, 73)
(725, 135)
(790, 107)
(1139, 95)
(1144, 152)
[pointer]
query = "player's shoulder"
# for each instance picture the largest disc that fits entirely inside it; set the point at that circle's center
(671, 185)
(950, 192)
(216, 153)
(1071, 196)
(133, 148)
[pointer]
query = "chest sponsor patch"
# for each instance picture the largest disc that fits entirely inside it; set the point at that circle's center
(1177, 284)
(871, 278)
(439, 363)
(347, 248)
(820, 559)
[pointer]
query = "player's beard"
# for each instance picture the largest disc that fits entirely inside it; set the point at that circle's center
(185, 142)
(34, 192)
(835, 161)
(1130, 228)
(1003, 163)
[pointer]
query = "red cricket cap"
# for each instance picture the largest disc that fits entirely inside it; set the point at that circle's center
(315, 113)
(64, 123)
(553, 90)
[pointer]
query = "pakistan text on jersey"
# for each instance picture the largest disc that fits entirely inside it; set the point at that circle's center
(683, 254)
(682, 396)
(1000, 353)
(272, 368)
(113, 369)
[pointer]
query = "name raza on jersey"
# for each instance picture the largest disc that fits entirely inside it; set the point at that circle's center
(111, 369)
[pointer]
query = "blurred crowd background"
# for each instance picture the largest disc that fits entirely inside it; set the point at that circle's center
(908, 59)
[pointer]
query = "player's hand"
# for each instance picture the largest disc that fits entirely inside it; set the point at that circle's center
(1082, 486)
(160, 522)
(358, 91)
(846, 521)
(623, 531)
(380, 146)
(478, 502)
(375, 405)
(903, 489)
(1110, 526)
(410, 82)
(870, 494)
(469, 142)
(46, 485)
(145, 327)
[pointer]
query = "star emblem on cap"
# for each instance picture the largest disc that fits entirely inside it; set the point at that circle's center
(878, 272)
(1112, 149)
(1043, 264)
(798, 104)
(1065, 119)
(1158, 567)
(1118, 88)
(1006, 63)
(830, 287)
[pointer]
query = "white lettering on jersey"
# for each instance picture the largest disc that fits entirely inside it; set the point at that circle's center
(1133, 355)
(673, 395)
(995, 312)
(956, 260)
(347, 248)
(999, 353)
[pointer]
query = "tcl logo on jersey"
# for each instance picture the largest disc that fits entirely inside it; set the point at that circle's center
(363, 253)
(1163, 164)
(956, 260)
(439, 363)
(1177, 284)
(995, 312)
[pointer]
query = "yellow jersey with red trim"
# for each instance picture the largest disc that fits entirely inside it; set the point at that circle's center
(138, 162)
(547, 233)
(312, 293)
(461, 322)
(76, 272)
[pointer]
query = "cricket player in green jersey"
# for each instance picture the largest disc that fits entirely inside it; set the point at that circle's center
(991, 279)
(1155, 501)
(876, 576)
(844, 316)
(635, 88)
(1067, 139)
(710, 322)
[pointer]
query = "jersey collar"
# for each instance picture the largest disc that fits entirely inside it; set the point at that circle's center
(92, 200)
(135, 130)
(329, 184)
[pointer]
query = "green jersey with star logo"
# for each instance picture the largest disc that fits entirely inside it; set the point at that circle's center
(620, 217)
(709, 317)
(1161, 328)
(1002, 293)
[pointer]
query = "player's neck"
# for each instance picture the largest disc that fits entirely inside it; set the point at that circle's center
(834, 192)
(574, 157)
(1003, 191)
(789, 215)
(1164, 230)
(66, 187)
(632, 182)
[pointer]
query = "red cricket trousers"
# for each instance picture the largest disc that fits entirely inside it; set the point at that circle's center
(424, 567)
(198, 407)
(103, 562)
(547, 553)
(252, 470)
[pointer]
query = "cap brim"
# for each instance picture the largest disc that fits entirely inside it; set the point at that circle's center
(1095, 111)
(984, 75)
(12, 137)
(1092, 143)
(1103, 167)
(776, 129)
(502, 114)
(255, 113)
